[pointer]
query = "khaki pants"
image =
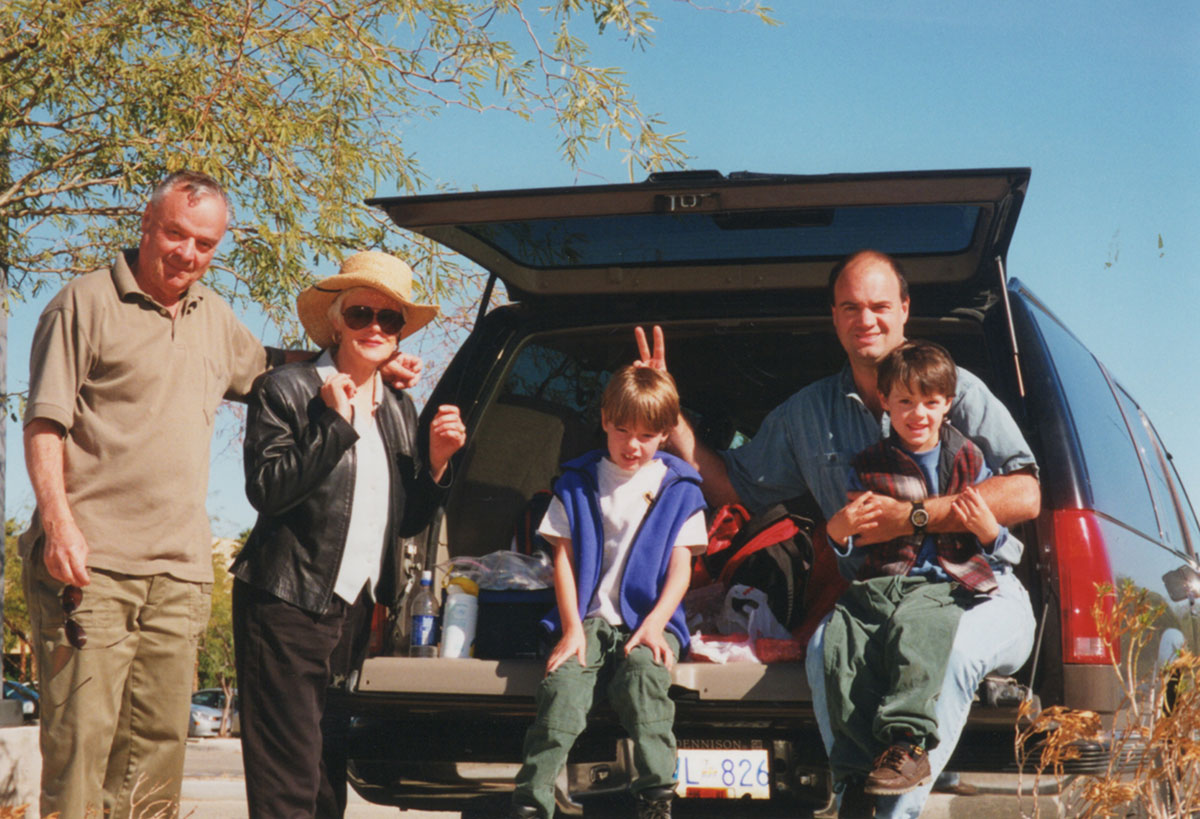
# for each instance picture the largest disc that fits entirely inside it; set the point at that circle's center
(115, 714)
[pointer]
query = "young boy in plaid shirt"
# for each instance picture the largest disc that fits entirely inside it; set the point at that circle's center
(888, 641)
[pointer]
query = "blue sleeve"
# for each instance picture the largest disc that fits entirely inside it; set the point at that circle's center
(766, 469)
(980, 416)
(1005, 548)
(849, 559)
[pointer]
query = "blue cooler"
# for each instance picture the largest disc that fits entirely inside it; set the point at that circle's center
(508, 625)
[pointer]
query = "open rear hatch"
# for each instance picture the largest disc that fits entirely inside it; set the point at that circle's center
(702, 231)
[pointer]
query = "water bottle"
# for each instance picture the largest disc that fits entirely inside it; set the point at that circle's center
(459, 616)
(423, 634)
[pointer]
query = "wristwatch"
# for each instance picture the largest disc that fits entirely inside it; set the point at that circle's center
(918, 517)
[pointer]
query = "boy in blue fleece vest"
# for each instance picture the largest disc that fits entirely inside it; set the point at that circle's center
(623, 523)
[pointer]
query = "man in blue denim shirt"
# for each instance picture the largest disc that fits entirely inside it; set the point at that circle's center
(807, 443)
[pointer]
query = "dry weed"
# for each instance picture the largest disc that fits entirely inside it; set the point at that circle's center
(1153, 767)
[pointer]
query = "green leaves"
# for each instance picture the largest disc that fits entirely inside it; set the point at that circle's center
(298, 107)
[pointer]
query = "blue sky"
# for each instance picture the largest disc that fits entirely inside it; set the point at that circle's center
(1101, 99)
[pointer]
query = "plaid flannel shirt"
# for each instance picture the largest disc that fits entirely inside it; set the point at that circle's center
(886, 469)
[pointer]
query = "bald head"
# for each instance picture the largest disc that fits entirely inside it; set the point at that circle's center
(867, 256)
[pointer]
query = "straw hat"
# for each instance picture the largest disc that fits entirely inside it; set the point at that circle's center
(370, 268)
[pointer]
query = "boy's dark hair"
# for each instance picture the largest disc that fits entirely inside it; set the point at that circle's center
(641, 396)
(922, 366)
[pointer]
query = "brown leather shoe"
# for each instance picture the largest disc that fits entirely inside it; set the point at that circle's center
(901, 768)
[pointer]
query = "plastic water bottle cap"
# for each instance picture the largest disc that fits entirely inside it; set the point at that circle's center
(427, 578)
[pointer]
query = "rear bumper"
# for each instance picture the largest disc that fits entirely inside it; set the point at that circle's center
(448, 734)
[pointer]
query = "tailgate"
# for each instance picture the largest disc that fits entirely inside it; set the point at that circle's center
(519, 678)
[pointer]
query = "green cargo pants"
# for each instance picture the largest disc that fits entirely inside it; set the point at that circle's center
(886, 648)
(637, 690)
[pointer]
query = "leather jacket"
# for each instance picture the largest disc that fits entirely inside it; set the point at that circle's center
(300, 470)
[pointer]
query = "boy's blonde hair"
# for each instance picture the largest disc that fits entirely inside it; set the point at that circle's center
(641, 396)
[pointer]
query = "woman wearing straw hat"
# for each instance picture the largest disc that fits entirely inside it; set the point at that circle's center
(333, 469)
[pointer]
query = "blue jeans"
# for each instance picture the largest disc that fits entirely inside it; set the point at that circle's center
(980, 648)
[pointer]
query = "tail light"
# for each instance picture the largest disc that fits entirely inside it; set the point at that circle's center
(1082, 567)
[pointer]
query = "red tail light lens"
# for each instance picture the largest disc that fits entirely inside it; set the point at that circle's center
(1082, 566)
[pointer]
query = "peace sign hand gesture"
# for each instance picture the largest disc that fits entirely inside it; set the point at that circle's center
(658, 360)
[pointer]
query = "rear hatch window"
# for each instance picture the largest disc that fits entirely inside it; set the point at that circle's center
(704, 232)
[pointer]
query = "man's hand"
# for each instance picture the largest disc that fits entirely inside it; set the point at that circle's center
(65, 550)
(402, 370)
(572, 644)
(650, 635)
(447, 434)
(656, 360)
(891, 521)
(857, 517)
(972, 511)
(65, 553)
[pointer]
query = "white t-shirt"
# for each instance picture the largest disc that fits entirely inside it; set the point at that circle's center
(625, 495)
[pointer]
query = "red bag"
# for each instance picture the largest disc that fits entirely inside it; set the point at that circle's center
(771, 551)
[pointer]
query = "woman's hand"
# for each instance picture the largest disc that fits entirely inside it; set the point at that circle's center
(447, 434)
(337, 392)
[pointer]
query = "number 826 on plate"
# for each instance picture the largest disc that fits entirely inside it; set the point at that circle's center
(723, 773)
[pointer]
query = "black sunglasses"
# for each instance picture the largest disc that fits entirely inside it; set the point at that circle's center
(72, 596)
(359, 316)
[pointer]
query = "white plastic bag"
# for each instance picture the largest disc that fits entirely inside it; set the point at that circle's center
(502, 570)
(746, 612)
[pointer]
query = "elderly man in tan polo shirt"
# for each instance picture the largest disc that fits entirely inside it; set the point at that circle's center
(127, 369)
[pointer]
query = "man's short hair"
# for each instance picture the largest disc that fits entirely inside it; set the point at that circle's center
(922, 366)
(641, 396)
(195, 184)
(894, 264)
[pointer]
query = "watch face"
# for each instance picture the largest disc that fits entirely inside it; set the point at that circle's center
(919, 517)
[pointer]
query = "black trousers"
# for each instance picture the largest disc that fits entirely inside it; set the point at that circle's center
(293, 747)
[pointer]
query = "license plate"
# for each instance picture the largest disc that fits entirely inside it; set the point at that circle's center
(702, 773)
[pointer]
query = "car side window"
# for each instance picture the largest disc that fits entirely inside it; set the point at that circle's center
(552, 375)
(1114, 470)
(1160, 486)
(1186, 508)
(1186, 514)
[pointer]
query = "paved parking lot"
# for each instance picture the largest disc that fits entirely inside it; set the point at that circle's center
(214, 788)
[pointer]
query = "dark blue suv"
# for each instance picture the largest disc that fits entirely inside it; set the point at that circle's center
(735, 269)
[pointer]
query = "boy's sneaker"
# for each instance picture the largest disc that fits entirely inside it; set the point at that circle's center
(524, 812)
(901, 768)
(655, 803)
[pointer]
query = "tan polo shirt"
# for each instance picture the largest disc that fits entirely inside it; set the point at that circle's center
(137, 392)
